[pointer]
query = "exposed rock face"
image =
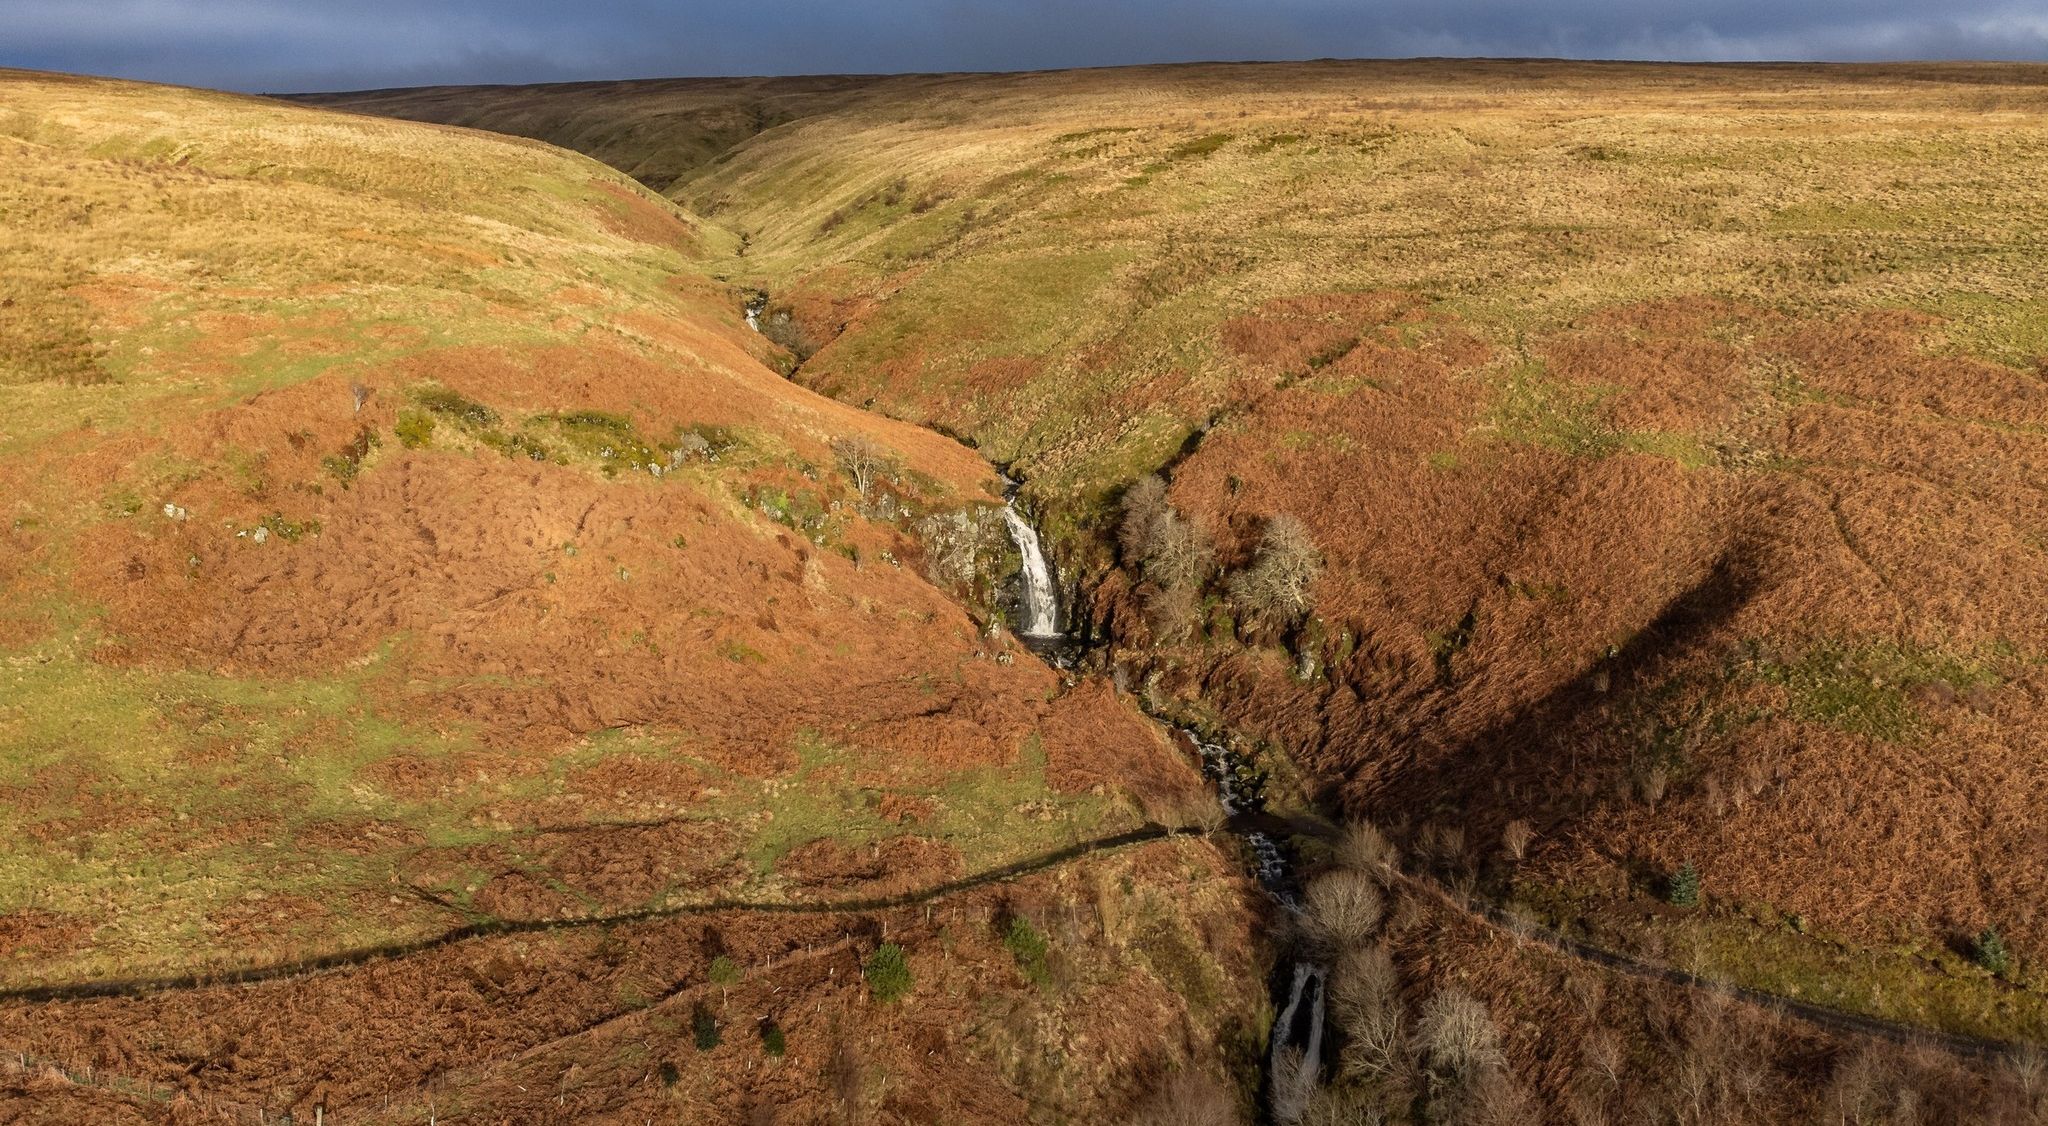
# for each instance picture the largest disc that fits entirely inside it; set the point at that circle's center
(968, 552)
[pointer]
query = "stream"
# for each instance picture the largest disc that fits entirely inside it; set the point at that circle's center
(1298, 986)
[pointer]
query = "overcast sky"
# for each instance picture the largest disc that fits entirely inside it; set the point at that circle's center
(293, 45)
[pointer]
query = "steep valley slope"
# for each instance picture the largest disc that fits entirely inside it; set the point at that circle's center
(1671, 439)
(408, 551)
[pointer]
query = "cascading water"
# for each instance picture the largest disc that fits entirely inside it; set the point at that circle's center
(1300, 1022)
(1039, 609)
(755, 306)
(1296, 1025)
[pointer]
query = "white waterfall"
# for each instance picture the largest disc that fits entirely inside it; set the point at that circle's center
(1041, 602)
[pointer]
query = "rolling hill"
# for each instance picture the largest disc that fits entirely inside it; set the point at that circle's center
(433, 614)
(1671, 440)
(424, 604)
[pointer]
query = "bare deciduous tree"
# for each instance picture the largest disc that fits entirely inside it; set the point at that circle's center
(1292, 1086)
(1181, 556)
(1652, 785)
(1362, 846)
(1172, 612)
(1515, 837)
(1333, 1106)
(1458, 1040)
(1144, 503)
(861, 459)
(361, 395)
(1365, 997)
(1173, 551)
(1345, 908)
(1197, 810)
(2028, 1066)
(1187, 1098)
(1275, 588)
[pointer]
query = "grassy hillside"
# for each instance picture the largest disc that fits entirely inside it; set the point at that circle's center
(1672, 439)
(402, 534)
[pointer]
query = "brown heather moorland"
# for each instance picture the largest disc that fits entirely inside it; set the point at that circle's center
(1672, 438)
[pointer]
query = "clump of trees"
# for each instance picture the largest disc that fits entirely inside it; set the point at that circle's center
(1176, 559)
(1175, 556)
(1444, 1057)
(1642, 1052)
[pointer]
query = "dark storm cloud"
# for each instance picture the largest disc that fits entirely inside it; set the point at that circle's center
(317, 44)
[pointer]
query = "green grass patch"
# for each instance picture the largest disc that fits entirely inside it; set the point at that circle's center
(888, 974)
(1199, 147)
(1863, 689)
(1028, 946)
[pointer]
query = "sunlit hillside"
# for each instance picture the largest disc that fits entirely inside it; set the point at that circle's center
(1671, 440)
(411, 567)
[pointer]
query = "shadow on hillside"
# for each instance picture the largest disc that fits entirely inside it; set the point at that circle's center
(1524, 751)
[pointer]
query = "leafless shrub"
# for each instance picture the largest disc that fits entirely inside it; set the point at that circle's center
(1652, 784)
(1171, 612)
(1144, 503)
(1409, 913)
(1587, 991)
(1497, 1100)
(1365, 998)
(1604, 1058)
(1458, 1041)
(361, 394)
(861, 459)
(1342, 1106)
(1362, 846)
(1293, 1086)
(1442, 846)
(1345, 908)
(1275, 588)
(1187, 1098)
(1756, 777)
(1515, 837)
(1855, 1091)
(1586, 1107)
